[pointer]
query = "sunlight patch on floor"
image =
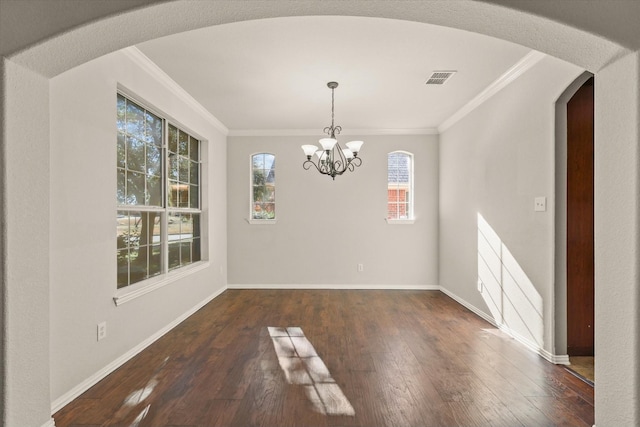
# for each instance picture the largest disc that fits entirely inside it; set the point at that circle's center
(302, 366)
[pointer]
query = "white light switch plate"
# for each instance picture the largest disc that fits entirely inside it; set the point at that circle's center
(102, 330)
(540, 204)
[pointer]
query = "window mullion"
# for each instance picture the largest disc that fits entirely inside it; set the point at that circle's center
(165, 163)
(140, 208)
(145, 129)
(164, 231)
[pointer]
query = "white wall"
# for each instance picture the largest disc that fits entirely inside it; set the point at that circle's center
(82, 221)
(617, 195)
(325, 228)
(25, 247)
(494, 162)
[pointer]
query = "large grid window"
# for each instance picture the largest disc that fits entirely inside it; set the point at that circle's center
(399, 185)
(158, 195)
(263, 186)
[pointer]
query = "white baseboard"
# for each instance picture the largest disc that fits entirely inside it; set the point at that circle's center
(469, 306)
(344, 287)
(63, 400)
(558, 359)
(66, 398)
(553, 358)
(89, 382)
(535, 347)
(50, 423)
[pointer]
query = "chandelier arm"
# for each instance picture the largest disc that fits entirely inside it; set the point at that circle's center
(334, 164)
(307, 165)
(339, 167)
(341, 163)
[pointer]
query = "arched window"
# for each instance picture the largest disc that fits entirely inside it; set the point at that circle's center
(263, 186)
(400, 185)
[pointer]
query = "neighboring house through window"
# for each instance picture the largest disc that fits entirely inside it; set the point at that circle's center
(263, 186)
(158, 195)
(399, 186)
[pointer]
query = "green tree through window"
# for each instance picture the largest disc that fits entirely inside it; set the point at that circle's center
(158, 195)
(263, 186)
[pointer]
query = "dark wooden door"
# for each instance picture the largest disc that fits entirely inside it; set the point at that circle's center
(580, 222)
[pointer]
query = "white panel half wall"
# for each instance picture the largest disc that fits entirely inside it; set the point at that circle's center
(82, 220)
(326, 228)
(496, 252)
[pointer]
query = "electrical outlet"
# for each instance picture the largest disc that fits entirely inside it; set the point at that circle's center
(540, 204)
(102, 330)
(360, 268)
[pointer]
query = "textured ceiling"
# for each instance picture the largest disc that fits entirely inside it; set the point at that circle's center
(271, 74)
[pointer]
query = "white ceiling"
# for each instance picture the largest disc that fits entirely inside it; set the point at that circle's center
(271, 74)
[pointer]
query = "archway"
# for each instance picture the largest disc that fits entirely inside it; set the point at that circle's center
(25, 72)
(561, 221)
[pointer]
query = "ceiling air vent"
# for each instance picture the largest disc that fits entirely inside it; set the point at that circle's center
(439, 77)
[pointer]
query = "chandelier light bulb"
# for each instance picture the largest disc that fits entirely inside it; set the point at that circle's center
(309, 150)
(328, 143)
(347, 153)
(354, 146)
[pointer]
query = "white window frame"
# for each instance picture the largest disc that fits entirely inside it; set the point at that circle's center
(166, 276)
(250, 219)
(411, 205)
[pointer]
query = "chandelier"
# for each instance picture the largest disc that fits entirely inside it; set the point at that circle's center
(332, 159)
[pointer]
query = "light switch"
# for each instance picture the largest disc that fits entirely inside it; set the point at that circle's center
(540, 204)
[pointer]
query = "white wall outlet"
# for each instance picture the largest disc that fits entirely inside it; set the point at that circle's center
(360, 268)
(102, 330)
(540, 204)
(479, 285)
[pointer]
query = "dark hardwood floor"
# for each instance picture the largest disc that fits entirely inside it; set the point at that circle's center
(360, 358)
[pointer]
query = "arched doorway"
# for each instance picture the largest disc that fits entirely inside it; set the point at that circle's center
(574, 259)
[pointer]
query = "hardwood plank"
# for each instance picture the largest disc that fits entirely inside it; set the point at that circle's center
(467, 414)
(558, 412)
(351, 358)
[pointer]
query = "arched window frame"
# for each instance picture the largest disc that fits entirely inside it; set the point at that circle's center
(401, 211)
(262, 211)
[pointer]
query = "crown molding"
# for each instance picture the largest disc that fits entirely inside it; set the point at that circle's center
(156, 72)
(522, 66)
(319, 134)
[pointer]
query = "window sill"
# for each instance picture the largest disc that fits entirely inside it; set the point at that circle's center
(400, 221)
(126, 295)
(261, 221)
